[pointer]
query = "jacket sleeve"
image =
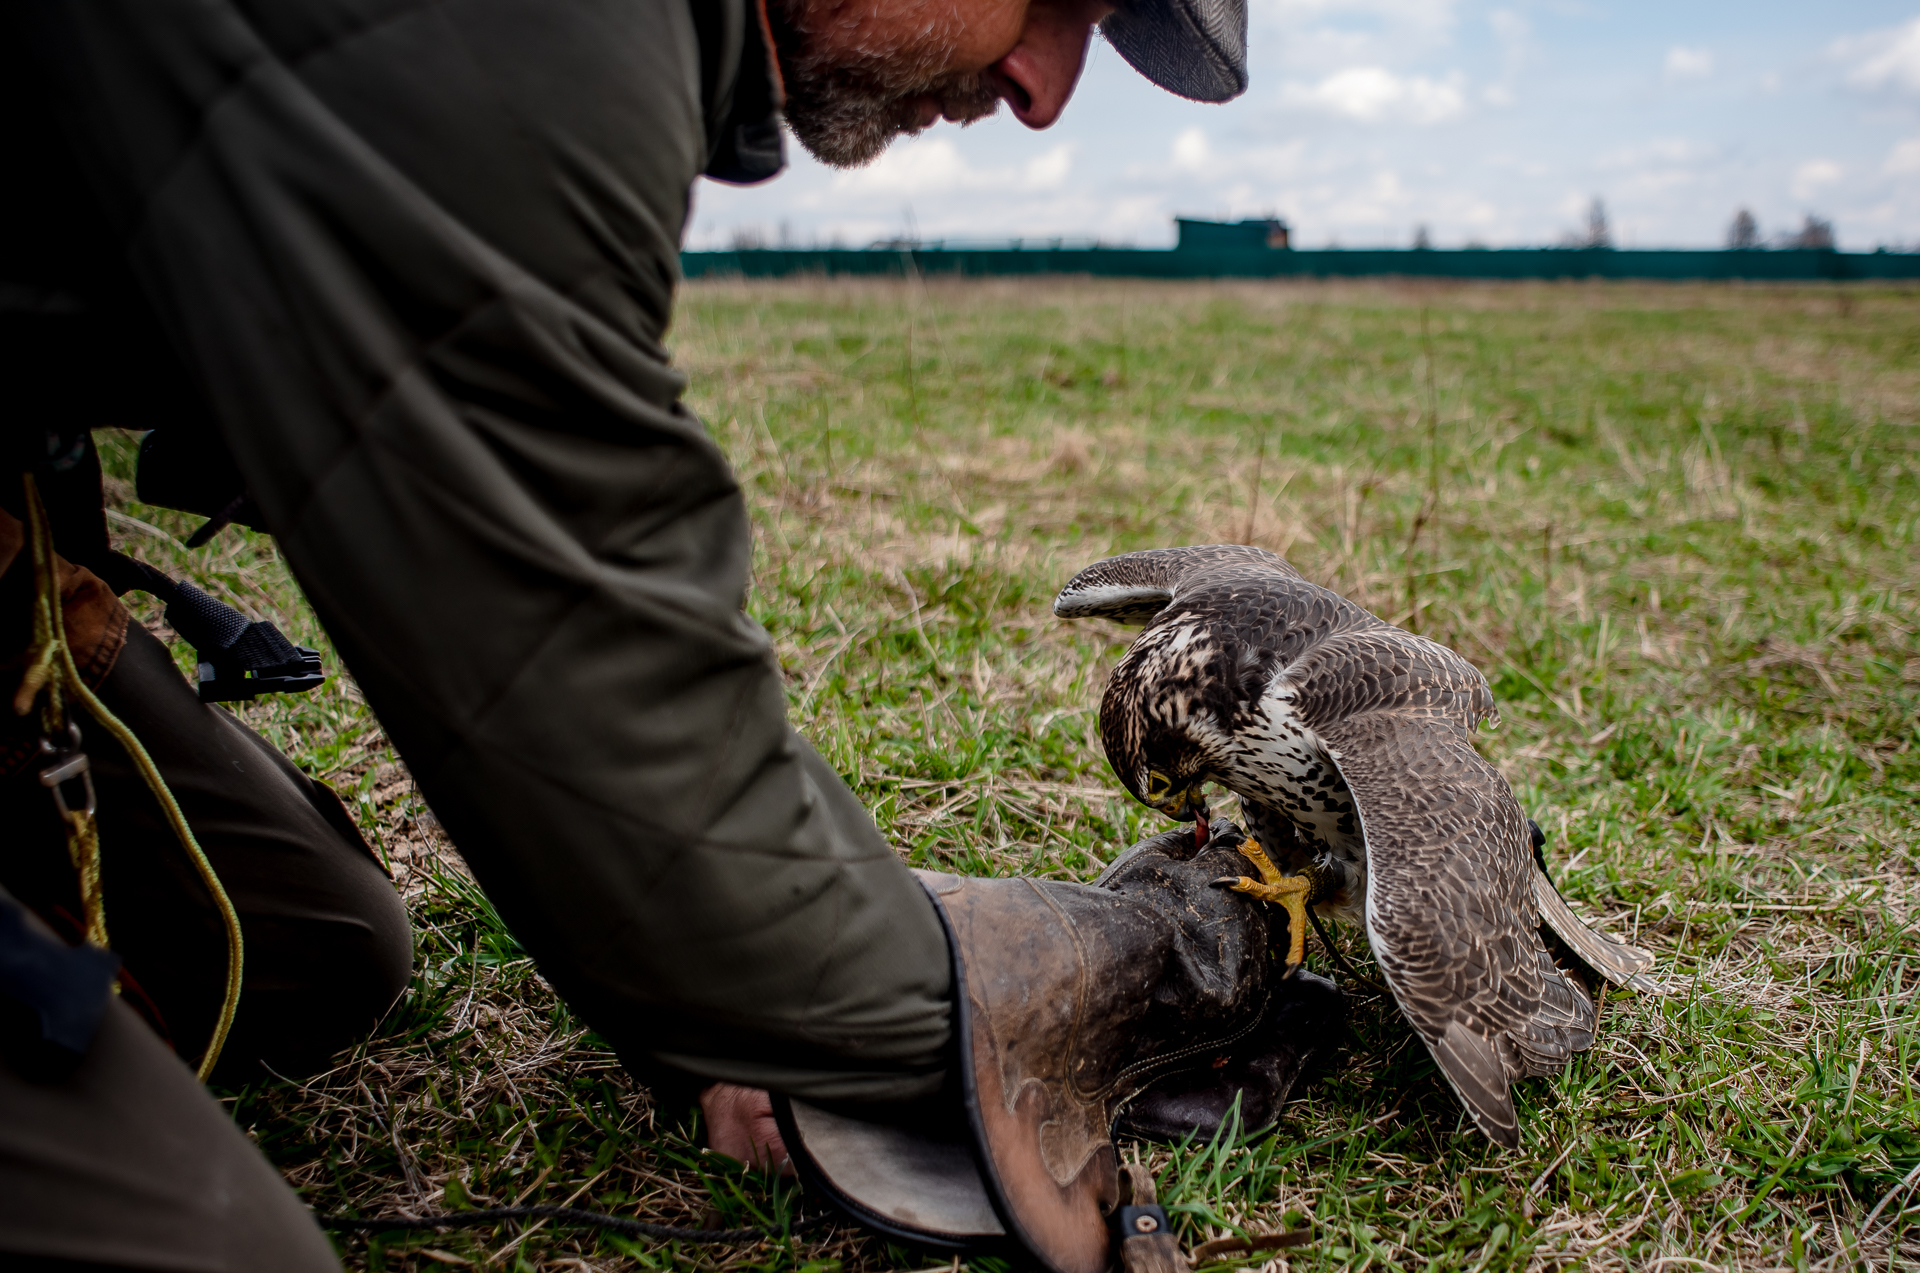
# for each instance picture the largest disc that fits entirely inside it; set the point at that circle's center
(421, 257)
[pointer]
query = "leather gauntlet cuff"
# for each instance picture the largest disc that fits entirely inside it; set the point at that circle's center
(1070, 1000)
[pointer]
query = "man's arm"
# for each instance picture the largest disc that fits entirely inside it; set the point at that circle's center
(421, 260)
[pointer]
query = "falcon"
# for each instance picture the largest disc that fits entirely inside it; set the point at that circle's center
(1350, 745)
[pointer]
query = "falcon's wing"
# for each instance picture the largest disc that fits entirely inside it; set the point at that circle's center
(1618, 962)
(1451, 912)
(1133, 587)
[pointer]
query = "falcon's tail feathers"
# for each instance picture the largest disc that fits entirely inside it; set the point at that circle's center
(1618, 962)
(1562, 1024)
(1133, 587)
(1476, 1074)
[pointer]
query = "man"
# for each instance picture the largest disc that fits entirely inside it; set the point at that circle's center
(393, 278)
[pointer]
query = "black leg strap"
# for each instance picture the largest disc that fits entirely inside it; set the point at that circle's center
(239, 658)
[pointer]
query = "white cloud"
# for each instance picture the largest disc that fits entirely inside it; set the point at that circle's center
(1381, 201)
(1313, 38)
(1427, 11)
(1373, 93)
(1191, 152)
(1513, 29)
(1884, 60)
(1688, 64)
(1513, 32)
(924, 165)
(1423, 15)
(932, 164)
(1903, 159)
(1815, 173)
(1661, 150)
(1640, 171)
(1048, 170)
(1479, 213)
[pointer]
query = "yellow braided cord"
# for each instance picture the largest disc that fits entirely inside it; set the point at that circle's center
(83, 847)
(236, 951)
(68, 676)
(49, 625)
(43, 665)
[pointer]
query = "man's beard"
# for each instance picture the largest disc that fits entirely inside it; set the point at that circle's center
(847, 110)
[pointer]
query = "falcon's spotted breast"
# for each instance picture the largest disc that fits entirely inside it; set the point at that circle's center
(1350, 744)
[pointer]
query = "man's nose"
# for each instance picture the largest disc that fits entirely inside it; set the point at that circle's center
(1038, 76)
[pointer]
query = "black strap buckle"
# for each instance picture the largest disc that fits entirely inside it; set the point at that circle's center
(238, 659)
(226, 681)
(62, 766)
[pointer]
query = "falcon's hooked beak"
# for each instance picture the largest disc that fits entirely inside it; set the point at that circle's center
(1186, 806)
(1191, 805)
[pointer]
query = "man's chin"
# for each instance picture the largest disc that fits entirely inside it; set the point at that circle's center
(850, 130)
(841, 148)
(847, 143)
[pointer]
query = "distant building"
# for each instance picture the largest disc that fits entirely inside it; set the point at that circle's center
(1232, 236)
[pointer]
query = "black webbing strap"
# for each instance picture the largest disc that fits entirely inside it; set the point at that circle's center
(239, 658)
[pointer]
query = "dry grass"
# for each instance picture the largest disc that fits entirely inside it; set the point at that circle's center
(1676, 528)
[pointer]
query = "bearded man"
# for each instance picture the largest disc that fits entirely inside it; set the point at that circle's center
(391, 280)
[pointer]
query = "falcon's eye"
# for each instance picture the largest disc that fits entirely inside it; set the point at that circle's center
(1159, 786)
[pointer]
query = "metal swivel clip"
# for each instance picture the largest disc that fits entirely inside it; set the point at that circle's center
(62, 766)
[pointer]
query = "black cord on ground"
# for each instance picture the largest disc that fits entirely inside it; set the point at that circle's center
(560, 1215)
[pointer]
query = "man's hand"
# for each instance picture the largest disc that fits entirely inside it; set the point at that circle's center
(740, 1125)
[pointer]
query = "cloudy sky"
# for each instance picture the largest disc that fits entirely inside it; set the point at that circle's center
(1488, 122)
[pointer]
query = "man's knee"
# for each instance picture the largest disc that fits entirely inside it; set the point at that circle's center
(315, 987)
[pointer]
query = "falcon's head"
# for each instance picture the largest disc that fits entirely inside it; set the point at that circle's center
(1173, 784)
(1176, 699)
(1156, 723)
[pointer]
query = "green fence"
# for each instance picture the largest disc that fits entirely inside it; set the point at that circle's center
(1797, 264)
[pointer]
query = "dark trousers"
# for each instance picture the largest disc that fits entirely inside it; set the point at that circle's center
(327, 944)
(128, 1162)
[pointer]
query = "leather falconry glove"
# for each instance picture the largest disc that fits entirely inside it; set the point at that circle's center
(1071, 1000)
(1239, 1089)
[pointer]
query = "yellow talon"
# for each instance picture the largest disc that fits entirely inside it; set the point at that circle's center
(1253, 853)
(1288, 891)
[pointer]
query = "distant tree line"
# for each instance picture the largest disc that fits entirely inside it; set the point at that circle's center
(1743, 233)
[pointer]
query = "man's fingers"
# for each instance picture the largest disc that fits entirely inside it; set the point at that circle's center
(740, 1124)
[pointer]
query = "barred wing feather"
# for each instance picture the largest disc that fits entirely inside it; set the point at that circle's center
(1450, 908)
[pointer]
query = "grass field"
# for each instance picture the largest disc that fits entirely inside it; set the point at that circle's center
(1676, 528)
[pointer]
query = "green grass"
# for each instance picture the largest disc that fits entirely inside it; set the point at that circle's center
(1675, 527)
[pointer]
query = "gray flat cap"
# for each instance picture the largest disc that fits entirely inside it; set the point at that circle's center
(1196, 48)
